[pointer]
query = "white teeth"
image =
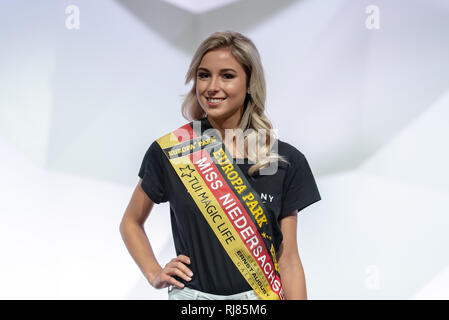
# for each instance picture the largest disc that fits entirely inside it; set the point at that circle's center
(215, 100)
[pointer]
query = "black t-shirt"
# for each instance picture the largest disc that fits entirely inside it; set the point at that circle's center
(290, 188)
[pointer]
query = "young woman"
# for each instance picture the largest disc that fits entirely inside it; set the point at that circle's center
(234, 228)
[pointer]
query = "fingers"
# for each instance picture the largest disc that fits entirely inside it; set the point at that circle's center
(182, 267)
(179, 273)
(183, 258)
(179, 264)
(175, 282)
(177, 267)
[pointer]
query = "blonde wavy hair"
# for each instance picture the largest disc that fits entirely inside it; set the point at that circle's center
(254, 117)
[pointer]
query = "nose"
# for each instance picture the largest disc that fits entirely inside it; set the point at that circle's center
(214, 85)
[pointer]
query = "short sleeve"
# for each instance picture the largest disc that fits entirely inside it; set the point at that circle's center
(300, 189)
(152, 174)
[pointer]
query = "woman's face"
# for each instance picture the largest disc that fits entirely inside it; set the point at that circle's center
(220, 76)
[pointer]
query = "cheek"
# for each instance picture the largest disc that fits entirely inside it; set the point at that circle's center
(236, 90)
(200, 88)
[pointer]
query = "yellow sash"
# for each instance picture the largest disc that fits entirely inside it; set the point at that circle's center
(229, 204)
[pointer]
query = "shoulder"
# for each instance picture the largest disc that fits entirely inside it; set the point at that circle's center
(153, 150)
(290, 152)
(287, 149)
(154, 153)
(173, 137)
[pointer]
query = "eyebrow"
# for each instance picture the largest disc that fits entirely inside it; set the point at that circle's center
(222, 70)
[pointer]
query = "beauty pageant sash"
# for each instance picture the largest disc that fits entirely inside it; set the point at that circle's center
(232, 208)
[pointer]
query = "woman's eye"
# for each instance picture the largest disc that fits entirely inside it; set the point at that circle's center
(226, 75)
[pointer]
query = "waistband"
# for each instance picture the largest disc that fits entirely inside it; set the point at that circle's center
(186, 293)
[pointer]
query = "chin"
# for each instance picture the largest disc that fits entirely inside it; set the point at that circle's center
(215, 113)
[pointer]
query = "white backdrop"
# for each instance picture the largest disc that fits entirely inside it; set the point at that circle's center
(368, 108)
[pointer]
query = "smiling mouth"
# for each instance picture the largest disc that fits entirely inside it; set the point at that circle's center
(215, 100)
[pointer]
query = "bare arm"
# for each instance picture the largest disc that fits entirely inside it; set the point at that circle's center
(290, 266)
(136, 241)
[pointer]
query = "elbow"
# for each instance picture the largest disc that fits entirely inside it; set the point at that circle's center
(123, 226)
(290, 261)
(126, 223)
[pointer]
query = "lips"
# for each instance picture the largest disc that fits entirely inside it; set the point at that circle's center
(214, 101)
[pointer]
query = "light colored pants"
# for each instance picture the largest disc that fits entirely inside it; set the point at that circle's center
(175, 293)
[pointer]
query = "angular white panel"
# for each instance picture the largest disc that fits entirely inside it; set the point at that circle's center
(200, 6)
(419, 153)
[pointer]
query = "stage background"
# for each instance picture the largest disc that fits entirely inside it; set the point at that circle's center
(367, 106)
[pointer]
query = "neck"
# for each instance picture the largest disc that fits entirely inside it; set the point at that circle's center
(222, 124)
